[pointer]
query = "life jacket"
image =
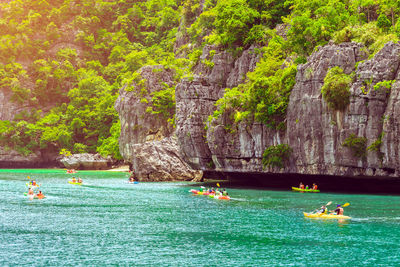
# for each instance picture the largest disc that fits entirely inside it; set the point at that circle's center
(315, 187)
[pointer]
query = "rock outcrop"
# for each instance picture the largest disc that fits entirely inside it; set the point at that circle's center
(13, 159)
(314, 131)
(161, 161)
(8, 108)
(195, 101)
(86, 161)
(146, 139)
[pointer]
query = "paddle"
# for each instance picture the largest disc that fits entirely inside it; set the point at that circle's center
(327, 204)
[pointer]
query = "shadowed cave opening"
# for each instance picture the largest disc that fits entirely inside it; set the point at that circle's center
(326, 183)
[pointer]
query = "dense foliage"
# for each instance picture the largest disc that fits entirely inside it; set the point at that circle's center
(336, 88)
(66, 60)
(357, 144)
(276, 156)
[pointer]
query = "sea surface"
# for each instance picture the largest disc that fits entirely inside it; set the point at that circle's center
(108, 221)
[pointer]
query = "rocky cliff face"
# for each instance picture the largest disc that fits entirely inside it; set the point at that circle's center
(195, 101)
(8, 108)
(315, 132)
(146, 140)
(86, 161)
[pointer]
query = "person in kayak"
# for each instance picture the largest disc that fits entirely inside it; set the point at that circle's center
(79, 180)
(224, 193)
(323, 210)
(314, 186)
(339, 210)
(73, 179)
(40, 194)
(30, 191)
(301, 186)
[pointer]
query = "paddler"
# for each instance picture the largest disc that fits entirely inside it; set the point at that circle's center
(73, 180)
(30, 191)
(314, 186)
(224, 192)
(323, 210)
(40, 194)
(339, 210)
(79, 180)
(301, 186)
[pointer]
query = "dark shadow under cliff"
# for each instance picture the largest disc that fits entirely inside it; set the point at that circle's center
(325, 183)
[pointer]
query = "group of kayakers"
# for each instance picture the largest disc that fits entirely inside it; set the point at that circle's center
(314, 186)
(32, 185)
(76, 180)
(218, 193)
(71, 171)
(324, 210)
(213, 191)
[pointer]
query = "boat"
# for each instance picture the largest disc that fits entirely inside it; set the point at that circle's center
(34, 196)
(305, 190)
(219, 197)
(206, 193)
(76, 183)
(134, 182)
(325, 216)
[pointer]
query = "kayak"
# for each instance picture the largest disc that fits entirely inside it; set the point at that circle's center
(325, 216)
(70, 182)
(34, 196)
(198, 192)
(135, 182)
(304, 190)
(220, 197)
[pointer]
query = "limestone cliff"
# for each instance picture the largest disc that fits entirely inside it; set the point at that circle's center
(315, 132)
(146, 139)
(195, 101)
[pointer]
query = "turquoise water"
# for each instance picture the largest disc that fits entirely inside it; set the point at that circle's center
(110, 222)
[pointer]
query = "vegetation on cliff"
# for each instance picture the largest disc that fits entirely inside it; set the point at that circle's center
(336, 88)
(65, 60)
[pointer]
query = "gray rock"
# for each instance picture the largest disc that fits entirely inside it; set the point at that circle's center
(86, 161)
(314, 131)
(195, 102)
(145, 140)
(137, 125)
(161, 161)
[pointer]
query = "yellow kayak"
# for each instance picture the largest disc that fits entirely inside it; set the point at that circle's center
(305, 190)
(74, 183)
(325, 216)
